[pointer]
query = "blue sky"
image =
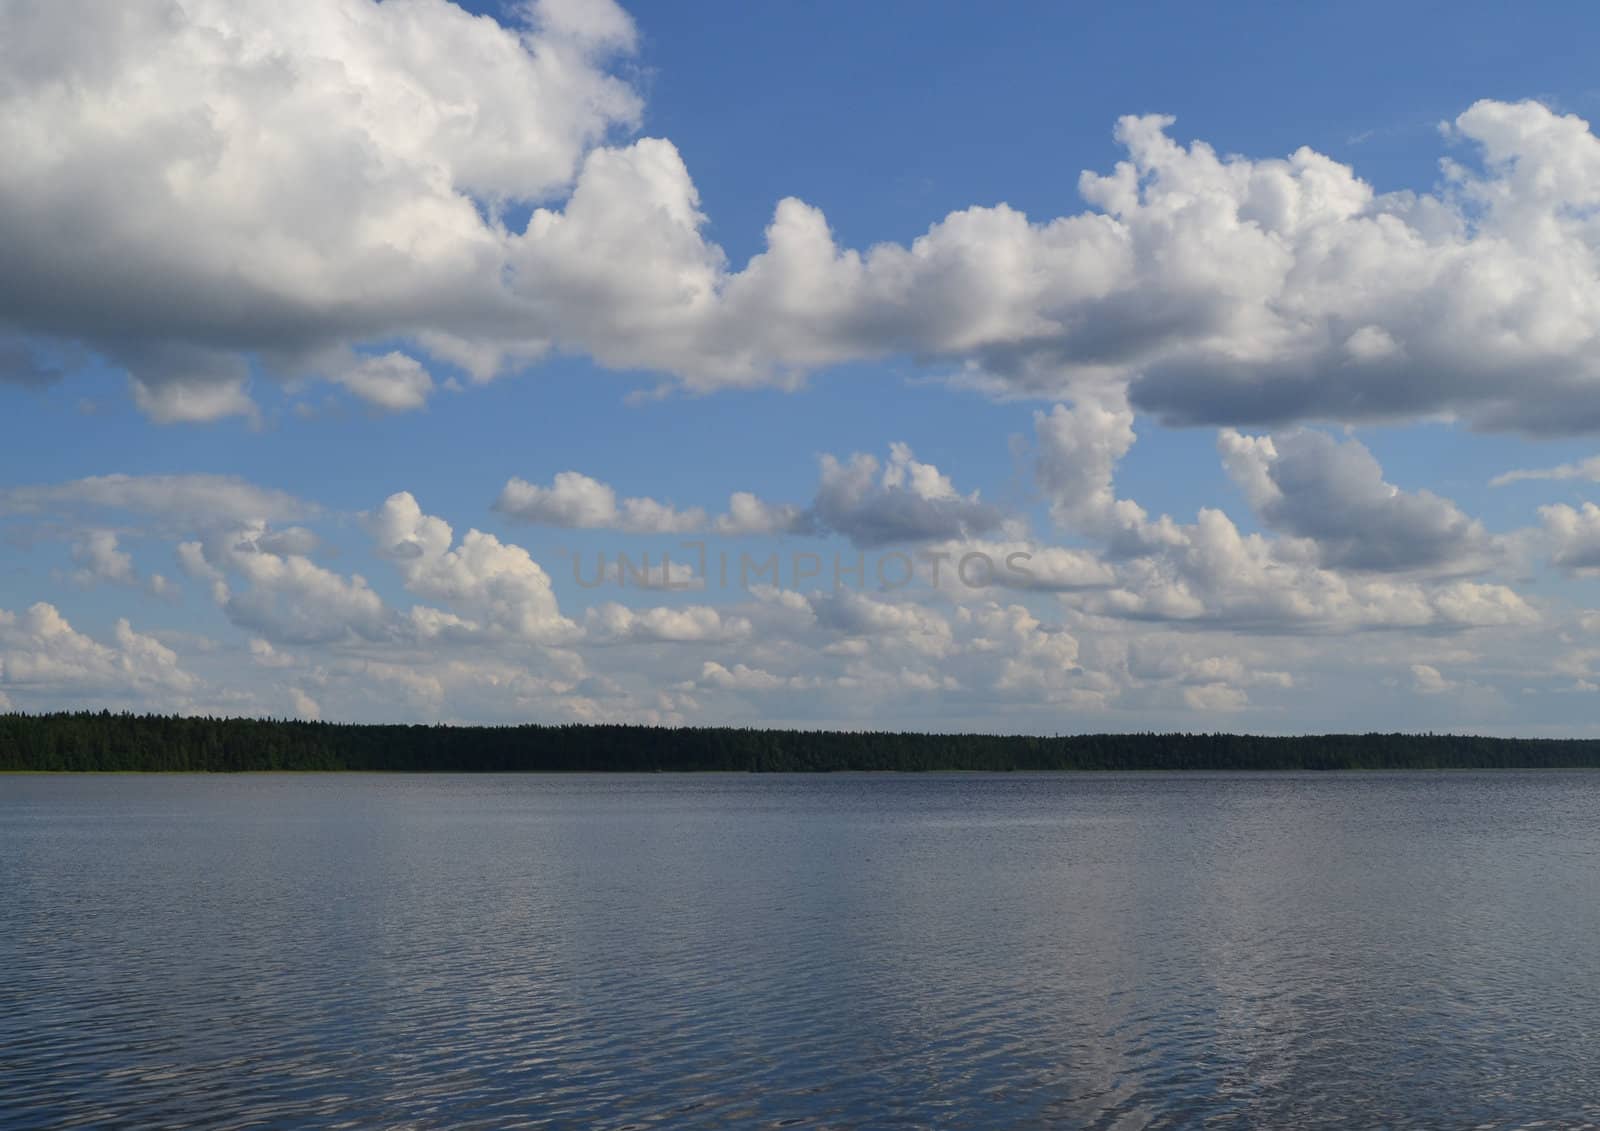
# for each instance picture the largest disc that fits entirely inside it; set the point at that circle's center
(314, 294)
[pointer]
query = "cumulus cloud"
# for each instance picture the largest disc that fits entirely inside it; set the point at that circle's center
(1427, 680)
(1302, 293)
(872, 504)
(1157, 669)
(1573, 534)
(901, 501)
(577, 501)
(1215, 290)
(748, 514)
(497, 587)
(484, 591)
(1216, 574)
(1214, 620)
(44, 661)
(742, 677)
(883, 621)
(346, 187)
(99, 558)
(1308, 485)
(340, 183)
(1079, 448)
(1342, 524)
(394, 382)
(303, 706)
(1033, 658)
(287, 597)
(693, 624)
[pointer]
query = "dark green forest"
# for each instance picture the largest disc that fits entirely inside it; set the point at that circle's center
(106, 742)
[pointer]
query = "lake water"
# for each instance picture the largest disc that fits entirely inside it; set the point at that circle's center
(670, 951)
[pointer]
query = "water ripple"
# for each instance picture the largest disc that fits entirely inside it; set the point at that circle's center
(961, 951)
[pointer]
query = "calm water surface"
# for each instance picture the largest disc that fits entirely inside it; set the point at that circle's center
(669, 951)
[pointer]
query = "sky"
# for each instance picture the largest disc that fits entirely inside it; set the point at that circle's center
(930, 366)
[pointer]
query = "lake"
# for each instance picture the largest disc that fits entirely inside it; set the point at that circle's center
(680, 951)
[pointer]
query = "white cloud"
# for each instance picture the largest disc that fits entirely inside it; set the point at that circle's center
(1214, 290)
(497, 585)
(192, 560)
(99, 558)
(1574, 536)
(692, 624)
(748, 514)
(182, 389)
(1033, 659)
(303, 705)
(1588, 469)
(1215, 697)
(264, 654)
(886, 622)
(577, 501)
(1292, 290)
(1217, 574)
(45, 662)
(900, 501)
(907, 502)
(1307, 485)
(742, 677)
(1344, 523)
(326, 194)
(345, 190)
(1079, 449)
(394, 382)
(186, 502)
(288, 598)
(1426, 680)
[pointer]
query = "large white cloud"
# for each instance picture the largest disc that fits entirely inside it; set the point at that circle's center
(198, 187)
(1216, 290)
(188, 182)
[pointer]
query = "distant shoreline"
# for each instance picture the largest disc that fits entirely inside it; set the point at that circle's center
(89, 742)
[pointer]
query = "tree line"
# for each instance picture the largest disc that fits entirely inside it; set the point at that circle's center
(106, 742)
